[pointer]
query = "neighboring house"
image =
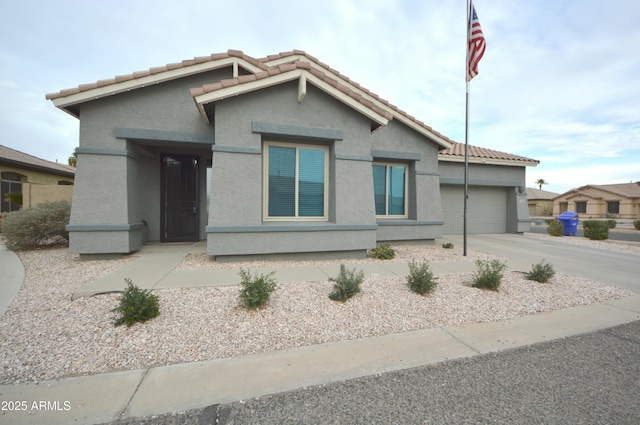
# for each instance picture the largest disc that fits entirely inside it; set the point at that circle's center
(37, 179)
(291, 156)
(540, 202)
(600, 201)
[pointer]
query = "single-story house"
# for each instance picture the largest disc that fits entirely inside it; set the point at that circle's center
(540, 202)
(279, 155)
(600, 201)
(38, 180)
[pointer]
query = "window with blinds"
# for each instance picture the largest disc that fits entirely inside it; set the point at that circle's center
(296, 182)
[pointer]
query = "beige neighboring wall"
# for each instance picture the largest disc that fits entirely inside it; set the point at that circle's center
(33, 194)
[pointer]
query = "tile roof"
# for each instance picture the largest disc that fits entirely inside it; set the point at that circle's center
(282, 63)
(21, 159)
(154, 71)
(540, 194)
(629, 190)
(297, 54)
(456, 152)
(288, 67)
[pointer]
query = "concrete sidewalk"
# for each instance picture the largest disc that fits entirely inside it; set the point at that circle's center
(11, 277)
(111, 396)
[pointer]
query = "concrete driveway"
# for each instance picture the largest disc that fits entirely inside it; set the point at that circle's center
(609, 267)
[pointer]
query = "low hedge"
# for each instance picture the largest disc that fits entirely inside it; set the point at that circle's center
(596, 230)
(42, 224)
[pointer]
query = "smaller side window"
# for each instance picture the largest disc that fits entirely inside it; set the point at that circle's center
(390, 189)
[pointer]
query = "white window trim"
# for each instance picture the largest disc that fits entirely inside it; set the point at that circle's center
(406, 189)
(265, 182)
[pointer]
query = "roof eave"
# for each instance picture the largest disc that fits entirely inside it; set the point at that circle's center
(439, 139)
(41, 168)
(80, 96)
(489, 161)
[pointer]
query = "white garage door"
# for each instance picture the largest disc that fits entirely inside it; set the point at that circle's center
(486, 209)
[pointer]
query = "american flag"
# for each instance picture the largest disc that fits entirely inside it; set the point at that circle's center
(476, 44)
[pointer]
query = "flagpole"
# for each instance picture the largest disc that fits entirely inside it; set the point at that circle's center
(466, 134)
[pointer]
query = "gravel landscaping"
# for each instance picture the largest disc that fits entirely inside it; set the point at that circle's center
(45, 335)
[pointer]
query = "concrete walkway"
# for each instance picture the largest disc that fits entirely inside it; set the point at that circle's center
(154, 268)
(106, 397)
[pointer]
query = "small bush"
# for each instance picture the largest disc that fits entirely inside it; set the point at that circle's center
(15, 197)
(636, 224)
(384, 251)
(489, 274)
(256, 290)
(421, 279)
(136, 305)
(596, 230)
(556, 228)
(611, 224)
(38, 225)
(347, 284)
(541, 272)
(447, 245)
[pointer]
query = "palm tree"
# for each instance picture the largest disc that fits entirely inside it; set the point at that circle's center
(73, 159)
(540, 182)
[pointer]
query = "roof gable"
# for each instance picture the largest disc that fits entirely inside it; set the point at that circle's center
(301, 71)
(69, 98)
(410, 121)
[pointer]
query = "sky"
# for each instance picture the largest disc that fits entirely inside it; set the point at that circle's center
(558, 82)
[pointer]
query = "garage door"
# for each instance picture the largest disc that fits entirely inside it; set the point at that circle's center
(486, 209)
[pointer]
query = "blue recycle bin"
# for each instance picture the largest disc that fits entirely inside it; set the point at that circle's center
(570, 222)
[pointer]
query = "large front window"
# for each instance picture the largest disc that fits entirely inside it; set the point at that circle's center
(581, 207)
(296, 182)
(390, 190)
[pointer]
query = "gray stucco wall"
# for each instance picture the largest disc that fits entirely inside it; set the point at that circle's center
(236, 222)
(121, 138)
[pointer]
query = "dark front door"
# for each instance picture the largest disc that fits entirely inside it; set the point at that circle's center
(180, 209)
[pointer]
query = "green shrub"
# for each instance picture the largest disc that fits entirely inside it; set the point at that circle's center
(2, 216)
(136, 305)
(256, 290)
(596, 230)
(556, 228)
(636, 224)
(541, 272)
(489, 274)
(447, 245)
(38, 225)
(421, 279)
(347, 284)
(384, 251)
(611, 224)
